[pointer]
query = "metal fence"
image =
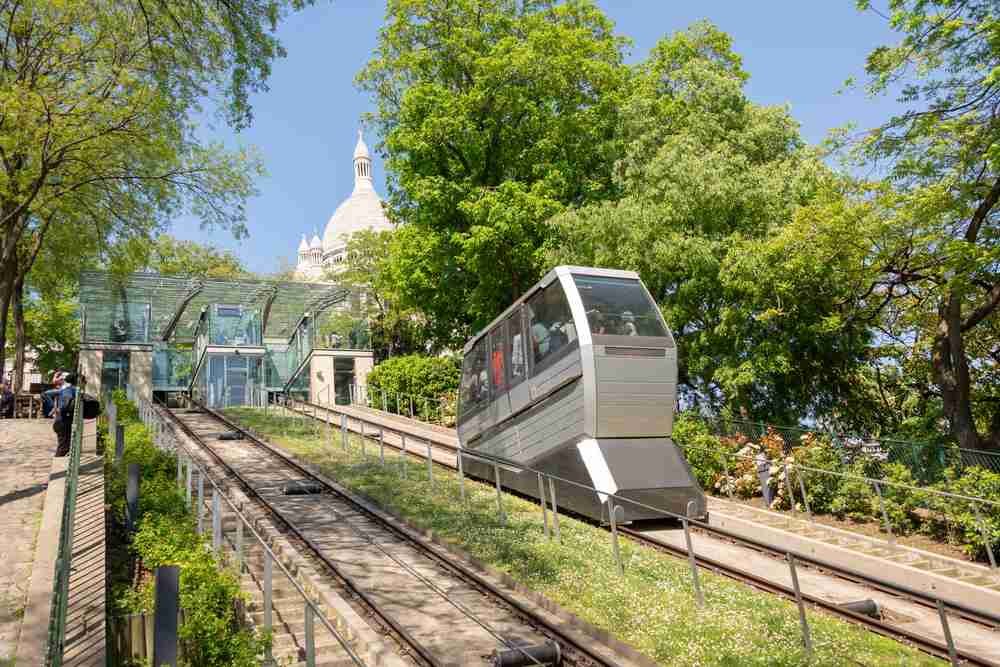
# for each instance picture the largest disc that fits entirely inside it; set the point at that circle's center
(927, 460)
(64, 555)
(439, 410)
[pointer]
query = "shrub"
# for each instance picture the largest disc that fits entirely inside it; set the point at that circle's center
(976, 482)
(212, 631)
(901, 503)
(702, 450)
(421, 377)
(821, 489)
(855, 498)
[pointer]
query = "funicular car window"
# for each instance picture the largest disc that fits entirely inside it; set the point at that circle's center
(550, 326)
(498, 367)
(618, 307)
(517, 363)
(475, 390)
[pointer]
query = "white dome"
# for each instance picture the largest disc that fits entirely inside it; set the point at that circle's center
(362, 210)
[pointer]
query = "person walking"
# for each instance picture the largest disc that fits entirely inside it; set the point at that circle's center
(64, 404)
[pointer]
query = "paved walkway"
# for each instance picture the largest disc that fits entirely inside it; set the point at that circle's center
(26, 447)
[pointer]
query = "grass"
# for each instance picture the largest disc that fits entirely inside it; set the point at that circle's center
(651, 607)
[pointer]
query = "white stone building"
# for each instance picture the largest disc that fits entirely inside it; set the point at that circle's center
(362, 210)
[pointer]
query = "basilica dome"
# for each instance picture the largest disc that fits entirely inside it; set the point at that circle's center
(362, 210)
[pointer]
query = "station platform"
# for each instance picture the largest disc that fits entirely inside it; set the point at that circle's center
(32, 495)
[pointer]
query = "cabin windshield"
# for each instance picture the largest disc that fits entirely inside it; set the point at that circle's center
(618, 307)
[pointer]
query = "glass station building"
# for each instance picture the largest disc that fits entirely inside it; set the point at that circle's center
(227, 342)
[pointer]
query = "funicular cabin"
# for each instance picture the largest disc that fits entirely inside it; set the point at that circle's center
(578, 379)
(225, 342)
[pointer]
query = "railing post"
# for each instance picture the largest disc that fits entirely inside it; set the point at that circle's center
(803, 621)
(402, 458)
(132, 497)
(946, 629)
(364, 449)
(802, 488)
(180, 469)
(885, 515)
(461, 475)
(496, 476)
(430, 464)
(216, 519)
(343, 431)
(411, 407)
(268, 575)
(119, 443)
(555, 510)
(310, 637)
(613, 514)
(692, 562)
(729, 478)
(166, 607)
(381, 446)
(986, 537)
(788, 487)
(239, 543)
(201, 498)
(545, 511)
(190, 473)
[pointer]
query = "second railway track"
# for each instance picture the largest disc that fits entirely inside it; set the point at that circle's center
(886, 627)
(440, 611)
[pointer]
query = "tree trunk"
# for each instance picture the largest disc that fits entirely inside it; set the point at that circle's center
(951, 372)
(19, 335)
(6, 289)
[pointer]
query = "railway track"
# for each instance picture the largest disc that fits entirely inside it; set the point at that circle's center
(394, 425)
(438, 610)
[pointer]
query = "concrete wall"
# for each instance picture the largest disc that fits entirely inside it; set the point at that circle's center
(363, 366)
(90, 367)
(321, 378)
(140, 373)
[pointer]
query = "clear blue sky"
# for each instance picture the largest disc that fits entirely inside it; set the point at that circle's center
(797, 53)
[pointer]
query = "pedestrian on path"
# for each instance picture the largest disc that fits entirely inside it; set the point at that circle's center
(62, 413)
(48, 396)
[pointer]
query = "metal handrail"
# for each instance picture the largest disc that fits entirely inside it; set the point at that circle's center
(64, 554)
(148, 413)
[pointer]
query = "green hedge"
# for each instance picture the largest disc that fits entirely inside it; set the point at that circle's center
(910, 510)
(212, 633)
(432, 378)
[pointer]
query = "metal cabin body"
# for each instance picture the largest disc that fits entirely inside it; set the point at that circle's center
(578, 379)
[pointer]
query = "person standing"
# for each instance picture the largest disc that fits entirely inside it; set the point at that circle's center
(62, 413)
(6, 401)
(48, 396)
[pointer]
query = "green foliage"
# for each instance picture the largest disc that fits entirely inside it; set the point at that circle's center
(213, 632)
(703, 451)
(935, 273)
(495, 115)
(433, 378)
(960, 516)
(170, 256)
(713, 220)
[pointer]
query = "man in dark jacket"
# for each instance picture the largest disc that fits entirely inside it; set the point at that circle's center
(6, 401)
(62, 413)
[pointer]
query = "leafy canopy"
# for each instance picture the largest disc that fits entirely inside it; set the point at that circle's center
(495, 115)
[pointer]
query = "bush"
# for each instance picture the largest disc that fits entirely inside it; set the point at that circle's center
(432, 378)
(212, 632)
(821, 489)
(963, 525)
(703, 451)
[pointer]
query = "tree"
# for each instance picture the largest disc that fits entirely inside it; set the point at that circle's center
(495, 115)
(395, 329)
(936, 255)
(96, 133)
(171, 256)
(714, 219)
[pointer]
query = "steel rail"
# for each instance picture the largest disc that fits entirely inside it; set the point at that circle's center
(313, 547)
(911, 595)
(428, 548)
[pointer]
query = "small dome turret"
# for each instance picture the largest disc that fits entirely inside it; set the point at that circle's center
(315, 243)
(303, 245)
